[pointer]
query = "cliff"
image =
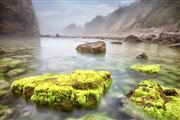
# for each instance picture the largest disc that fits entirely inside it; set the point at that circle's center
(142, 14)
(17, 17)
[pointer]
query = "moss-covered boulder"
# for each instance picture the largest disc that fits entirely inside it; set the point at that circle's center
(81, 88)
(160, 102)
(146, 68)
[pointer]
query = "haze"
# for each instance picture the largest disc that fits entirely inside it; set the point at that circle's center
(54, 15)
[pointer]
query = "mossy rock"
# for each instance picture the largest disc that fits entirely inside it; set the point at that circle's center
(81, 88)
(160, 102)
(146, 68)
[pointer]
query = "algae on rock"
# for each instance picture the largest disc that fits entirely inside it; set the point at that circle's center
(81, 88)
(157, 101)
(146, 68)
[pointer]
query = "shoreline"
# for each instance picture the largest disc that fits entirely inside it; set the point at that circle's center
(171, 39)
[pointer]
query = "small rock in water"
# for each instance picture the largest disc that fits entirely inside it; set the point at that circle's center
(142, 56)
(117, 42)
(93, 47)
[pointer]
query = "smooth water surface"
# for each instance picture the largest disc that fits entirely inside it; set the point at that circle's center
(58, 55)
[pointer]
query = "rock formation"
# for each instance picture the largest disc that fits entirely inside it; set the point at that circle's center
(93, 47)
(17, 17)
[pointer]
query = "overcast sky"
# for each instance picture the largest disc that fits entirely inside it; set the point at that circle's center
(54, 15)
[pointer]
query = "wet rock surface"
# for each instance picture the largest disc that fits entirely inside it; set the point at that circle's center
(160, 102)
(93, 47)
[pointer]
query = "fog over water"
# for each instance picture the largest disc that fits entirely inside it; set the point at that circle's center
(54, 15)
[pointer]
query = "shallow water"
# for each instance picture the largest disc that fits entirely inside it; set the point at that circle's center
(57, 55)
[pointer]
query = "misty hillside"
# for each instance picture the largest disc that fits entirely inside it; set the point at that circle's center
(140, 14)
(72, 29)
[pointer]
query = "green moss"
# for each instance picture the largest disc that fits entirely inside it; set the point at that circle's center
(82, 88)
(159, 102)
(146, 68)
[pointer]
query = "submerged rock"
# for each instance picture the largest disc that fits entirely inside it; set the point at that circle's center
(142, 56)
(2, 51)
(82, 88)
(160, 102)
(6, 112)
(92, 117)
(4, 88)
(15, 72)
(146, 68)
(93, 47)
(7, 64)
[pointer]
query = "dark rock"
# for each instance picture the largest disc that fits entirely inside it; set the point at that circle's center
(132, 38)
(57, 35)
(93, 47)
(169, 38)
(150, 37)
(45, 35)
(17, 17)
(116, 42)
(142, 56)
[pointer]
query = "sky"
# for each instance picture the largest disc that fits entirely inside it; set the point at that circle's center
(54, 15)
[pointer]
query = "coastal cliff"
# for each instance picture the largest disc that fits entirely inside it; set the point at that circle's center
(17, 17)
(163, 15)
